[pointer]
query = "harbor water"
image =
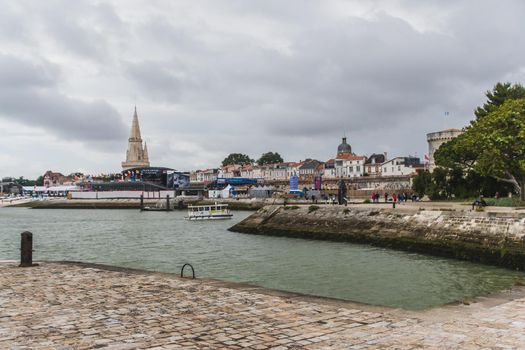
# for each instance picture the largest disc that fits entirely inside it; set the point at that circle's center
(164, 241)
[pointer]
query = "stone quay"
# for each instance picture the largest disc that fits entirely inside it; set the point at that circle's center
(84, 306)
(495, 236)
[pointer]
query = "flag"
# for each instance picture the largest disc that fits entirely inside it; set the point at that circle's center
(426, 157)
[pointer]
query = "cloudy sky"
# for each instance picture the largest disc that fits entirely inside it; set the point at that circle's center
(214, 77)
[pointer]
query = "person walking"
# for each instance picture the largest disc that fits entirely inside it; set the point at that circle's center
(394, 197)
(386, 197)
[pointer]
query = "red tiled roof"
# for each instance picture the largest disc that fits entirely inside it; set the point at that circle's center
(349, 156)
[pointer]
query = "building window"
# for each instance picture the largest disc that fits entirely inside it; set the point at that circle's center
(358, 168)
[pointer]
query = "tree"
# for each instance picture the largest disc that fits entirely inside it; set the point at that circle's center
(498, 95)
(270, 158)
(40, 181)
(500, 141)
(421, 182)
(25, 182)
(237, 158)
(493, 145)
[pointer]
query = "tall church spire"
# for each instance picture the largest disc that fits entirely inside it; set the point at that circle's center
(146, 156)
(136, 156)
(135, 128)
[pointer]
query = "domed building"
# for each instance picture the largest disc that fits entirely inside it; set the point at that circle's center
(344, 148)
(347, 164)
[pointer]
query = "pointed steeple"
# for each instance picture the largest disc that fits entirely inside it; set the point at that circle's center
(145, 153)
(136, 156)
(135, 128)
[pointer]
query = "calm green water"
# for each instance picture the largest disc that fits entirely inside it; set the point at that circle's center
(165, 241)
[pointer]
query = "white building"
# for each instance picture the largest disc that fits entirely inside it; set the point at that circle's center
(401, 166)
(207, 175)
(349, 165)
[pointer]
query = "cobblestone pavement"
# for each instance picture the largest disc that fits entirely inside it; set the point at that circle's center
(73, 306)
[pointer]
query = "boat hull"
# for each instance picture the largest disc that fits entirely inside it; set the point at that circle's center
(209, 217)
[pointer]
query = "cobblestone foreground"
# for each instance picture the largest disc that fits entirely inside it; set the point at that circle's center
(77, 306)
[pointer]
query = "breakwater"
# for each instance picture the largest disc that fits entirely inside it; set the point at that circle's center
(175, 203)
(495, 238)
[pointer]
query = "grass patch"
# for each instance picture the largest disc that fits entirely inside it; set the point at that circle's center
(504, 202)
(312, 208)
(367, 201)
(291, 207)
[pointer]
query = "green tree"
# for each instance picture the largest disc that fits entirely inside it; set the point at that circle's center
(498, 95)
(270, 158)
(236, 158)
(490, 147)
(25, 182)
(421, 182)
(500, 141)
(40, 181)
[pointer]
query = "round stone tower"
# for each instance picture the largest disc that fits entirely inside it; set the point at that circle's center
(436, 139)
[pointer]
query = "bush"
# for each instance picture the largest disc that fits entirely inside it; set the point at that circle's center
(312, 208)
(367, 201)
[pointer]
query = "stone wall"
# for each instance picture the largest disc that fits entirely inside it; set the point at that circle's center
(491, 238)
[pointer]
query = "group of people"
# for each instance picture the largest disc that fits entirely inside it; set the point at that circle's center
(401, 197)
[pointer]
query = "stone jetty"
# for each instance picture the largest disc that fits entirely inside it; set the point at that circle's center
(63, 203)
(80, 306)
(494, 237)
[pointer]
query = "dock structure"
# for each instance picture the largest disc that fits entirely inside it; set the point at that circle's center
(82, 306)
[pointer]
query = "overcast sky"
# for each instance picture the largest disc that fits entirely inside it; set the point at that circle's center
(214, 77)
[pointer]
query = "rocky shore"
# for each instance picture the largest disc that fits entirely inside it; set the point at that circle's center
(490, 237)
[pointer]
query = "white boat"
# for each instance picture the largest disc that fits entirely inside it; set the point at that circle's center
(209, 212)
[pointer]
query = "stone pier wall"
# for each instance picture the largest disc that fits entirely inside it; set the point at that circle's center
(491, 238)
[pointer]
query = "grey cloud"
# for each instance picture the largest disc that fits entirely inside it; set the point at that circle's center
(29, 95)
(159, 81)
(260, 75)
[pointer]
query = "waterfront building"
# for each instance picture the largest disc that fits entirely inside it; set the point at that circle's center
(347, 163)
(278, 171)
(329, 169)
(400, 166)
(247, 171)
(293, 168)
(55, 179)
(229, 171)
(373, 164)
(137, 154)
(310, 169)
(435, 140)
(204, 176)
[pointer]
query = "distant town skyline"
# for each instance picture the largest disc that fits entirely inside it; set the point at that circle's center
(211, 78)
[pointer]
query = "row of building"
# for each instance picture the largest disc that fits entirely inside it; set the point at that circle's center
(345, 165)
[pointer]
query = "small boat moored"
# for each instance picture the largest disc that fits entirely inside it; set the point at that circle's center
(209, 212)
